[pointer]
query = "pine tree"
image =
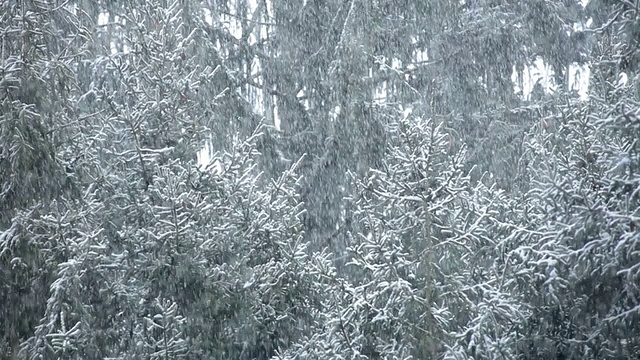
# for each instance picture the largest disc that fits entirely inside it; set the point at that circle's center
(577, 253)
(39, 145)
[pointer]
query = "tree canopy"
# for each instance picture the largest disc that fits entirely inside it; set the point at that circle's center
(277, 179)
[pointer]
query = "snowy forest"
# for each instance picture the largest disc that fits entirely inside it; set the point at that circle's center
(319, 179)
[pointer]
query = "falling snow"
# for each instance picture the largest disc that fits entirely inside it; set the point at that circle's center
(335, 179)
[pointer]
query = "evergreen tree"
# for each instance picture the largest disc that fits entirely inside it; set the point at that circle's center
(318, 180)
(39, 147)
(578, 251)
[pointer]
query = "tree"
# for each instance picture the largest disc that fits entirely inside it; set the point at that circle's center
(318, 179)
(421, 279)
(578, 253)
(39, 140)
(140, 252)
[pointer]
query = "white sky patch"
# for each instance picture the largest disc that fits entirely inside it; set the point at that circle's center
(305, 102)
(208, 17)
(335, 113)
(530, 76)
(206, 162)
(623, 79)
(103, 19)
(421, 56)
(276, 117)
(542, 73)
(589, 22)
(407, 112)
(396, 64)
(380, 96)
(579, 80)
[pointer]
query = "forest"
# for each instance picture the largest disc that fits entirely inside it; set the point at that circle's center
(319, 179)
